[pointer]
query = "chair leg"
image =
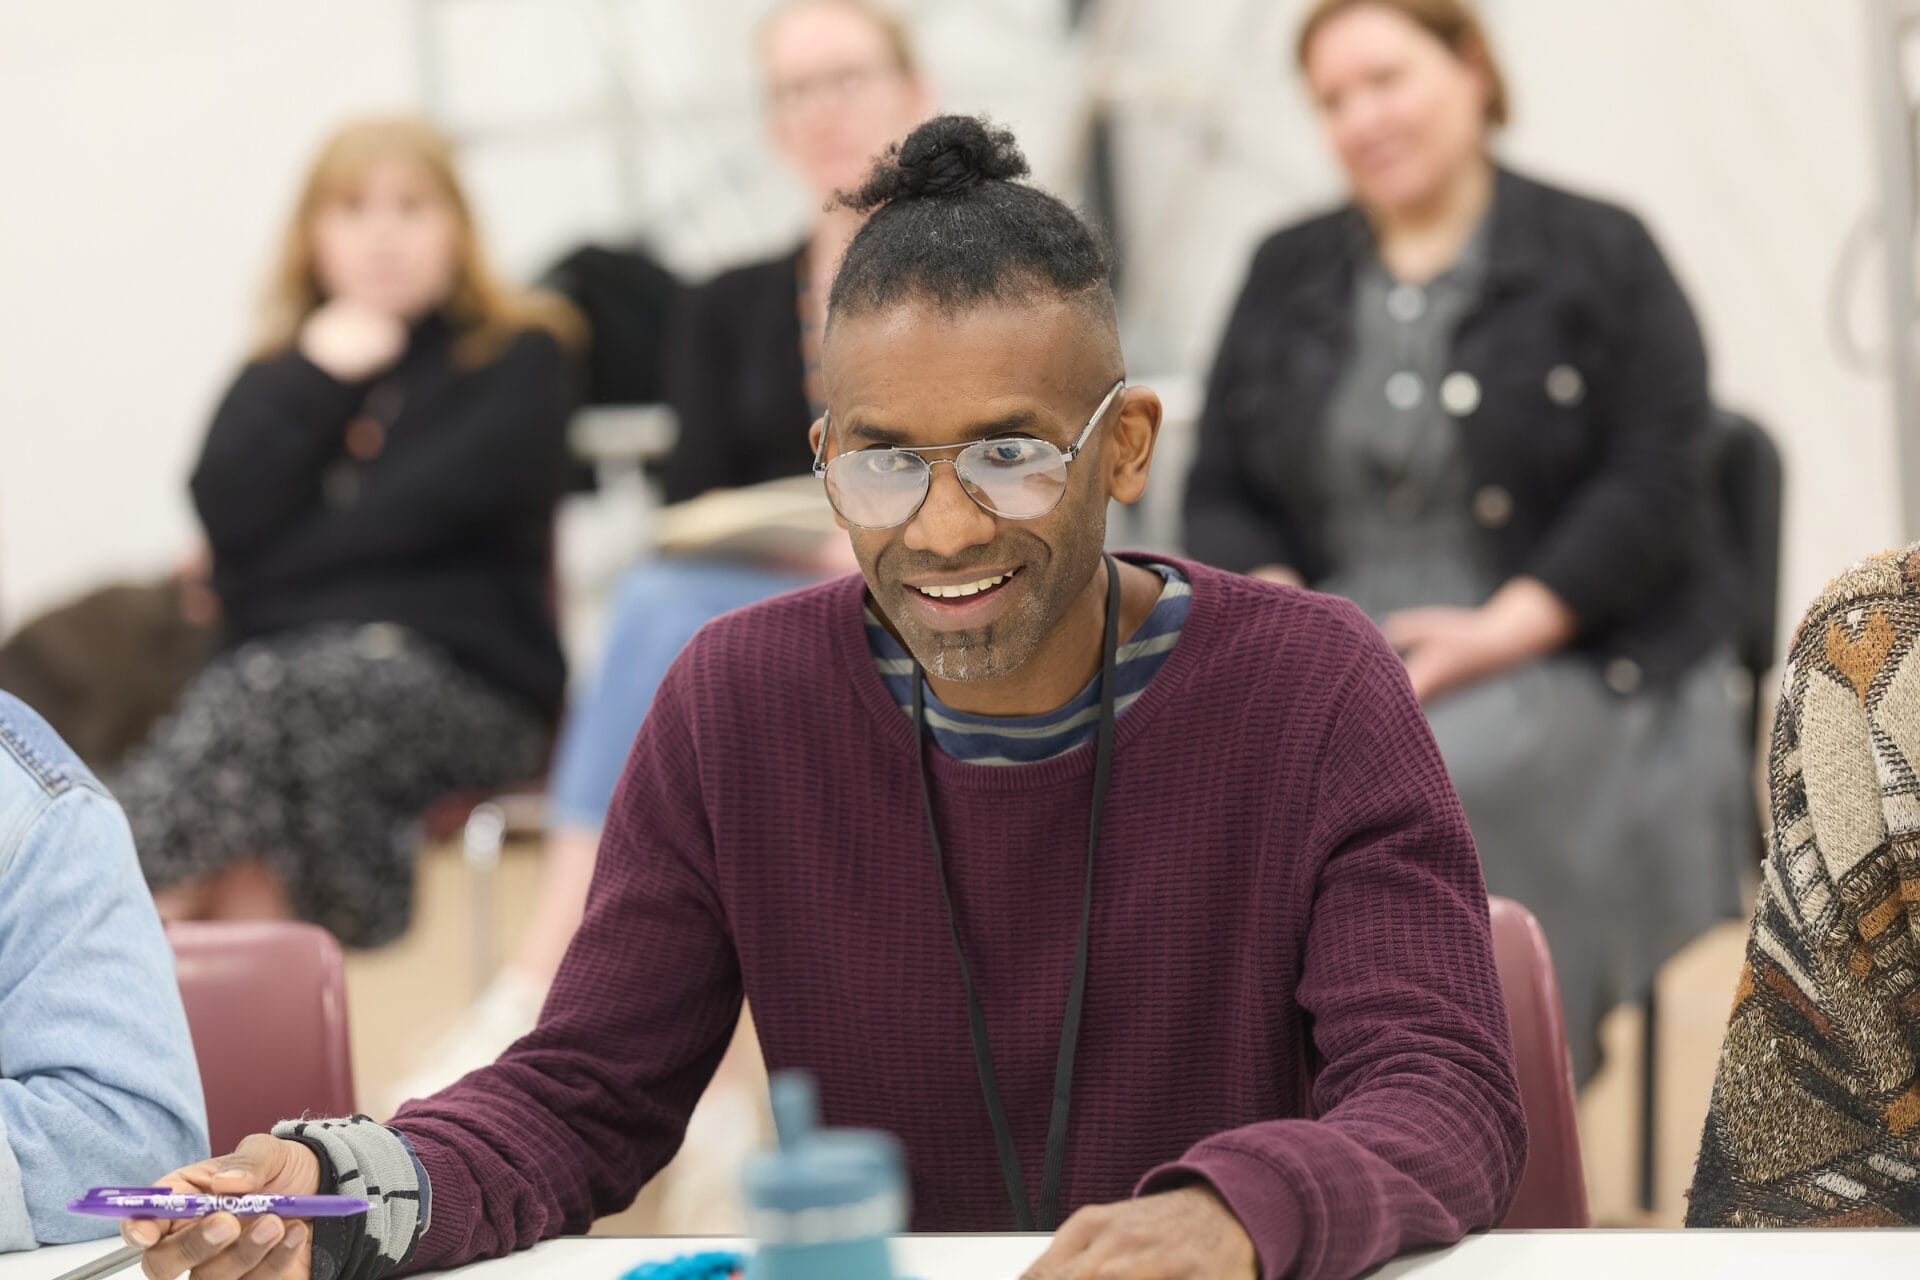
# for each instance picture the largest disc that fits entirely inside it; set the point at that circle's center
(480, 845)
(1649, 1095)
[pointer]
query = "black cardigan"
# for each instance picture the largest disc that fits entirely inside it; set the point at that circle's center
(1587, 447)
(737, 384)
(448, 531)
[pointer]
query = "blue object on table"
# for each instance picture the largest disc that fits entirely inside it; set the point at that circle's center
(824, 1204)
(694, 1266)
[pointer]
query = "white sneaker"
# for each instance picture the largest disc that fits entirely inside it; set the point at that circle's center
(507, 1010)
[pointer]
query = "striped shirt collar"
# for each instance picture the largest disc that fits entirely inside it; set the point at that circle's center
(1010, 740)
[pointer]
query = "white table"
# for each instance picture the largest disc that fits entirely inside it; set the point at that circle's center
(1519, 1255)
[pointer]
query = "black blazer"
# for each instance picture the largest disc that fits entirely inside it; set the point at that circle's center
(1584, 409)
(737, 384)
(448, 531)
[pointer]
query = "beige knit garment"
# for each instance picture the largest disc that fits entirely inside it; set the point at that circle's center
(1815, 1119)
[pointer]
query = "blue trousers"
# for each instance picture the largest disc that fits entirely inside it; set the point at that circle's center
(657, 608)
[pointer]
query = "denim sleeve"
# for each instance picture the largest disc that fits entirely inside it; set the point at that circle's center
(98, 1082)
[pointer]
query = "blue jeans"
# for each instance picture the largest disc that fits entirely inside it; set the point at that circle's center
(656, 610)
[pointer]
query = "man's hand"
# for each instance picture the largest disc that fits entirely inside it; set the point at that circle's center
(221, 1246)
(1188, 1234)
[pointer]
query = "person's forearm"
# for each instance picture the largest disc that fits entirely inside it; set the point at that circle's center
(273, 435)
(475, 476)
(1419, 1134)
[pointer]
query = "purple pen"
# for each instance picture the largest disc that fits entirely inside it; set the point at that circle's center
(163, 1202)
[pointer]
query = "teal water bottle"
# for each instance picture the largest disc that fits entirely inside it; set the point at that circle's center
(823, 1205)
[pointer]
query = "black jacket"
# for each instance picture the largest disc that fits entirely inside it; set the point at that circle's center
(630, 303)
(737, 384)
(447, 531)
(1586, 441)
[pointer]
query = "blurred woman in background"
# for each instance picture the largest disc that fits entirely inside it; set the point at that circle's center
(378, 489)
(842, 84)
(1477, 406)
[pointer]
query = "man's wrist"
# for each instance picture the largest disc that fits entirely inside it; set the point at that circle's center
(361, 1158)
(1260, 1195)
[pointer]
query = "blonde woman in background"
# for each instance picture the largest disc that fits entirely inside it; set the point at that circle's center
(377, 489)
(841, 83)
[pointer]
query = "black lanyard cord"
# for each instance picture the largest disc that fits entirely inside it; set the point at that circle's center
(1056, 1158)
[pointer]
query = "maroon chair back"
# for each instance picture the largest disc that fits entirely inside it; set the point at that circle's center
(1553, 1189)
(267, 1008)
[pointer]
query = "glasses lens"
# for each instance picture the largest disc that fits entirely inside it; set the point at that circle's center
(876, 488)
(1016, 478)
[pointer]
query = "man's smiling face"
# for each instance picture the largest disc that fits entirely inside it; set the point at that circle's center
(972, 595)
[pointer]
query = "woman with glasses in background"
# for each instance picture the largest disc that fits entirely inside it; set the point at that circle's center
(842, 83)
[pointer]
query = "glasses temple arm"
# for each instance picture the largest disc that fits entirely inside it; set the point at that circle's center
(1073, 451)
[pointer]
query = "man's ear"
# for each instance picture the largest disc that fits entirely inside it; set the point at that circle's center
(1130, 442)
(815, 434)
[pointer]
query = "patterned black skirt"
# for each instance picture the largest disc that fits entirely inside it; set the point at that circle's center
(316, 751)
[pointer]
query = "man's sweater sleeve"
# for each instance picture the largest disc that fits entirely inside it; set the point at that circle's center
(575, 1118)
(1418, 1135)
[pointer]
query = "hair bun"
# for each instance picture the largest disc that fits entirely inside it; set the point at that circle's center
(951, 153)
(942, 157)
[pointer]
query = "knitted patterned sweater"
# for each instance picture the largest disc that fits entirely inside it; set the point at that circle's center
(1815, 1119)
(1284, 877)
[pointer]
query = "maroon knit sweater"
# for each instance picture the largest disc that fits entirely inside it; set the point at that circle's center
(1284, 875)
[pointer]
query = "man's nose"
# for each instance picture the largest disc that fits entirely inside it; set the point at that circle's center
(949, 522)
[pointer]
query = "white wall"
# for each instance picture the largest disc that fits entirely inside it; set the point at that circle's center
(150, 152)
(1741, 130)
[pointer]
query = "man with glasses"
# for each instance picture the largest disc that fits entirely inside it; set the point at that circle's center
(841, 82)
(1118, 888)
